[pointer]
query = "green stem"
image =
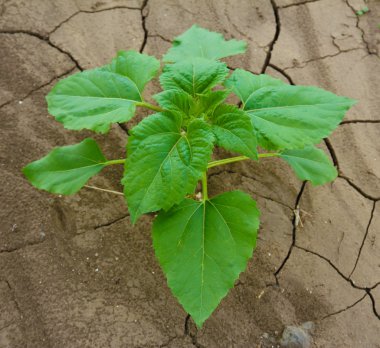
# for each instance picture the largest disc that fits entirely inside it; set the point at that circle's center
(204, 186)
(104, 190)
(226, 161)
(149, 106)
(239, 158)
(270, 154)
(119, 161)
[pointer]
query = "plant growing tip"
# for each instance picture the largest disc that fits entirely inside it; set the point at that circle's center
(203, 244)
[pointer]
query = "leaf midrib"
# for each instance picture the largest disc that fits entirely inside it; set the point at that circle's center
(71, 169)
(98, 97)
(295, 106)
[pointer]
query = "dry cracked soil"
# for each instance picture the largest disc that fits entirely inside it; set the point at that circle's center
(74, 272)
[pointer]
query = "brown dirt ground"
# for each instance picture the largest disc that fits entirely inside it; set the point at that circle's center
(74, 272)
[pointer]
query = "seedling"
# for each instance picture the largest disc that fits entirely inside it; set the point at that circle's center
(362, 11)
(201, 244)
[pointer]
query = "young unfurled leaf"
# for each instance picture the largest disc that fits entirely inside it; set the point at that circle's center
(311, 164)
(195, 76)
(188, 107)
(233, 130)
(199, 42)
(207, 102)
(176, 101)
(244, 84)
(164, 163)
(204, 246)
(65, 170)
(94, 99)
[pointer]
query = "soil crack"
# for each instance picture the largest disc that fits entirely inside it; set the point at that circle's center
(294, 232)
(109, 223)
(377, 314)
(358, 189)
(342, 176)
(161, 37)
(364, 238)
(275, 37)
(350, 281)
(13, 297)
(39, 87)
(299, 3)
(333, 155)
(304, 63)
(124, 127)
(359, 121)
(228, 171)
(193, 336)
(11, 250)
(144, 15)
(47, 40)
(94, 11)
(170, 340)
(346, 308)
(366, 43)
(282, 72)
(347, 279)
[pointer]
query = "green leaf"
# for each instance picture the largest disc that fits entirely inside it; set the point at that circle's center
(138, 67)
(199, 42)
(65, 170)
(175, 101)
(188, 107)
(311, 164)
(291, 117)
(244, 84)
(285, 116)
(233, 130)
(194, 77)
(204, 246)
(207, 102)
(164, 163)
(94, 99)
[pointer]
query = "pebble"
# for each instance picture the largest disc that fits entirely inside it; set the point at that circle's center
(298, 336)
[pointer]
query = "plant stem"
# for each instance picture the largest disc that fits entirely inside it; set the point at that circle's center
(270, 154)
(204, 186)
(226, 161)
(150, 106)
(119, 161)
(239, 158)
(104, 190)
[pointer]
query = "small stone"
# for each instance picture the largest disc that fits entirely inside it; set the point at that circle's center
(297, 337)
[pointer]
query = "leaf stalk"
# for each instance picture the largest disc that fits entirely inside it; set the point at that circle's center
(104, 190)
(111, 162)
(150, 106)
(204, 186)
(239, 158)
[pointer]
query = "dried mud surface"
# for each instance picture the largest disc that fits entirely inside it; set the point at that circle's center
(74, 272)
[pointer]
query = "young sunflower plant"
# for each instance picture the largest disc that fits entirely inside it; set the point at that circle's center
(201, 244)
